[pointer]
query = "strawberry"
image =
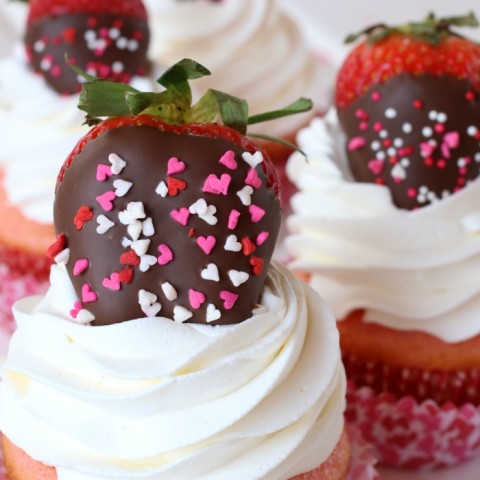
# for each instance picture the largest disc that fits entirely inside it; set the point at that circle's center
(106, 39)
(163, 210)
(407, 100)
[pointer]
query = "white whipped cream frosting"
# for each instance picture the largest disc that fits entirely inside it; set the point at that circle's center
(411, 270)
(255, 49)
(155, 399)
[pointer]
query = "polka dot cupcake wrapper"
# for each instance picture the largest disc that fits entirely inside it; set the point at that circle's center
(408, 434)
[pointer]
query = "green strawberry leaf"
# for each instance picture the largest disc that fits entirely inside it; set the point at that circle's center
(299, 106)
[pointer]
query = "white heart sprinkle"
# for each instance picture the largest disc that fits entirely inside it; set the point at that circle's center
(253, 160)
(132, 213)
(146, 298)
(135, 229)
(63, 256)
(118, 164)
(84, 316)
(104, 224)
(162, 189)
(126, 242)
(199, 207)
(210, 273)
(212, 313)
(147, 261)
(121, 187)
(209, 215)
(147, 227)
(237, 277)
(232, 244)
(169, 291)
(181, 314)
(141, 246)
(245, 195)
(151, 310)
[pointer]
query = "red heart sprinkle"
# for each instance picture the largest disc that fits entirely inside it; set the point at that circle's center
(129, 258)
(174, 185)
(84, 214)
(257, 264)
(126, 275)
(248, 246)
(57, 246)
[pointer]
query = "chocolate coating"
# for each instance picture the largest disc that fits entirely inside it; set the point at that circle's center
(417, 135)
(105, 46)
(147, 152)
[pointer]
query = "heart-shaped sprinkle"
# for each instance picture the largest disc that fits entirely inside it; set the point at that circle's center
(63, 256)
(88, 295)
(206, 243)
(121, 187)
(140, 247)
(217, 186)
(253, 179)
(232, 244)
(253, 160)
(356, 143)
(146, 298)
(262, 237)
(200, 207)
(175, 166)
(237, 278)
(169, 291)
(134, 230)
(210, 273)
(57, 246)
(196, 298)
(209, 216)
(146, 262)
(84, 214)
(112, 282)
(245, 195)
(80, 266)
(134, 211)
(129, 258)
(84, 317)
(256, 213)
(233, 219)
(175, 185)
(151, 310)
(103, 172)
(257, 264)
(147, 227)
(213, 313)
(166, 254)
(126, 276)
(228, 160)
(248, 247)
(118, 164)
(376, 166)
(228, 298)
(181, 314)
(181, 215)
(162, 189)
(104, 224)
(106, 200)
(77, 306)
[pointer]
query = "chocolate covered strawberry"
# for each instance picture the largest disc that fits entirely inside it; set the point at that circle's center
(161, 210)
(107, 39)
(408, 101)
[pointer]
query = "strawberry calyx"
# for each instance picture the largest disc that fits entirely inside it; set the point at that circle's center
(431, 30)
(173, 105)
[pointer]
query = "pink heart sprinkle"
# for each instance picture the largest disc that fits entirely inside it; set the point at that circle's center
(112, 283)
(356, 143)
(262, 237)
(426, 149)
(376, 166)
(175, 166)
(452, 139)
(196, 298)
(77, 306)
(445, 150)
(233, 219)
(103, 172)
(256, 213)
(206, 243)
(216, 185)
(166, 254)
(228, 298)
(181, 216)
(105, 200)
(253, 179)
(228, 159)
(80, 266)
(88, 295)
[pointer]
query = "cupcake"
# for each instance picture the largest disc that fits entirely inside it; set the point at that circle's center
(171, 347)
(258, 49)
(38, 94)
(385, 225)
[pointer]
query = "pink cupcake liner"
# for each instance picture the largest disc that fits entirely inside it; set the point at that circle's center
(407, 434)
